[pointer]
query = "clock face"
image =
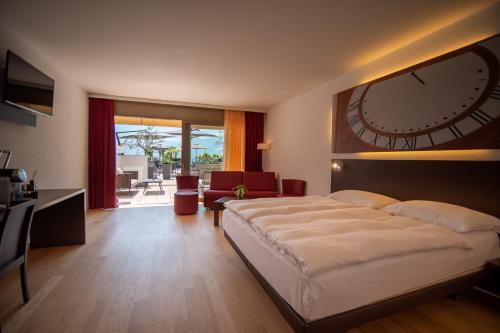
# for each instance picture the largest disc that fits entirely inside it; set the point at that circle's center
(430, 105)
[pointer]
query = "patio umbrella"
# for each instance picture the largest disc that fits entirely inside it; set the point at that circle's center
(139, 134)
(197, 147)
(197, 134)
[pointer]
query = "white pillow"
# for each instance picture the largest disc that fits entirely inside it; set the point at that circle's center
(119, 170)
(363, 198)
(457, 218)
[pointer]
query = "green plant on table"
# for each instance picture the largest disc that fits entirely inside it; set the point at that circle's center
(239, 191)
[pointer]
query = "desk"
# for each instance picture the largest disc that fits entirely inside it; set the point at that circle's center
(59, 218)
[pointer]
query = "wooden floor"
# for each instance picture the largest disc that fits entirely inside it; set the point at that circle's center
(147, 270)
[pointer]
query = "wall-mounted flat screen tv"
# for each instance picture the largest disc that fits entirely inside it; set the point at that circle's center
(27, 87)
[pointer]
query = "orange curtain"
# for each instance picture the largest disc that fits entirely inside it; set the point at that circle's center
(234, 140)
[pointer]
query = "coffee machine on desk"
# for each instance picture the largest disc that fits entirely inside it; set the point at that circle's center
(11, 182)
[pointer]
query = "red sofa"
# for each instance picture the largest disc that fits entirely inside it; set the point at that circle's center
(258, 184)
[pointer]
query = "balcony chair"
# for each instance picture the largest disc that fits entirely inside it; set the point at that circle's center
(125, 180)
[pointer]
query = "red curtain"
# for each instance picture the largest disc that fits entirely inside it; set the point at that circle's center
(254, 134)
(102, 154)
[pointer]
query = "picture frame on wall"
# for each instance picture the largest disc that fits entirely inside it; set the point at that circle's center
(451, 102)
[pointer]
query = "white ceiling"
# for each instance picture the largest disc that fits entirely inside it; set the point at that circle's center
(246, 54)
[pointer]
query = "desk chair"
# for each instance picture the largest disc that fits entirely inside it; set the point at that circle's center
(14, 230)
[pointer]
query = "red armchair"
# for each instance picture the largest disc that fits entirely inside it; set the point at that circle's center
(293, 188)
(187, 183)
(186, 197)
(185, 203)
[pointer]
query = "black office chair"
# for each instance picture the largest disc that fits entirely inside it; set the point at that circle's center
(14, 230)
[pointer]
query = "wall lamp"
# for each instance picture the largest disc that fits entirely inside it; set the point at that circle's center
(264, 146)
(337, 165)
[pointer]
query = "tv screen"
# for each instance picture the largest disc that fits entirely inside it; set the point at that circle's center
(27, 87)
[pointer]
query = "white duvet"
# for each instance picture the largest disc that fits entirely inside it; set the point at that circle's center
(250, 209)
(319, 234)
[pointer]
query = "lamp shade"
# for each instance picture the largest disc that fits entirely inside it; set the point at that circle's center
(264, 146)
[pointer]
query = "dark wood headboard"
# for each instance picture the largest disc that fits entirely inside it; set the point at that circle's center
(472, 184)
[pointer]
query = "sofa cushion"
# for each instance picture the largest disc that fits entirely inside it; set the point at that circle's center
(225, 180)
(187, 190)
(261, 194)
(216, 194)
(259, 181)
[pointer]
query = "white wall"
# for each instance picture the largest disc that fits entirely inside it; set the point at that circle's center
(133, 163)
(300, 129)
(57, 146)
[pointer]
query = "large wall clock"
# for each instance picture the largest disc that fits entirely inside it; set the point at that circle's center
(450, 102)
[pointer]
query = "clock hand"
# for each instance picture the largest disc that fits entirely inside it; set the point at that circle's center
(416, 77)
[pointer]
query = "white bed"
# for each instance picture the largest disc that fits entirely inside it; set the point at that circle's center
(350, 287)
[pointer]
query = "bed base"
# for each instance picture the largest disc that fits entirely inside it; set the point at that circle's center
(343, 321)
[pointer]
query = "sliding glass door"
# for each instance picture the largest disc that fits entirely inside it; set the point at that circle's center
(152, 147)
(206, 151)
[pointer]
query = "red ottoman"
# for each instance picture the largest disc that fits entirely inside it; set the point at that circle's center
(185, 203)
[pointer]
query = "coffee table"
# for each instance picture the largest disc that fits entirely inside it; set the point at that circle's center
(219, 206)
(146, 183)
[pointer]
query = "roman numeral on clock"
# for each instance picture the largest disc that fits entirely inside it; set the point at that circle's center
(495, 93)
(374, 141)
(392, 143)
(430, 139)
(353, 106)
(354, 119)
(361, 131)
(410, 142)
(455, 131)
(481, 117)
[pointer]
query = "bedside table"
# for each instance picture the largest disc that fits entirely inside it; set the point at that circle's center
(493, 270)
(219, 206)
(491, 287)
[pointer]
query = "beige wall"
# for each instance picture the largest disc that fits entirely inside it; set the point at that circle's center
(57, 146)
(194, 115)
(300, 128)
